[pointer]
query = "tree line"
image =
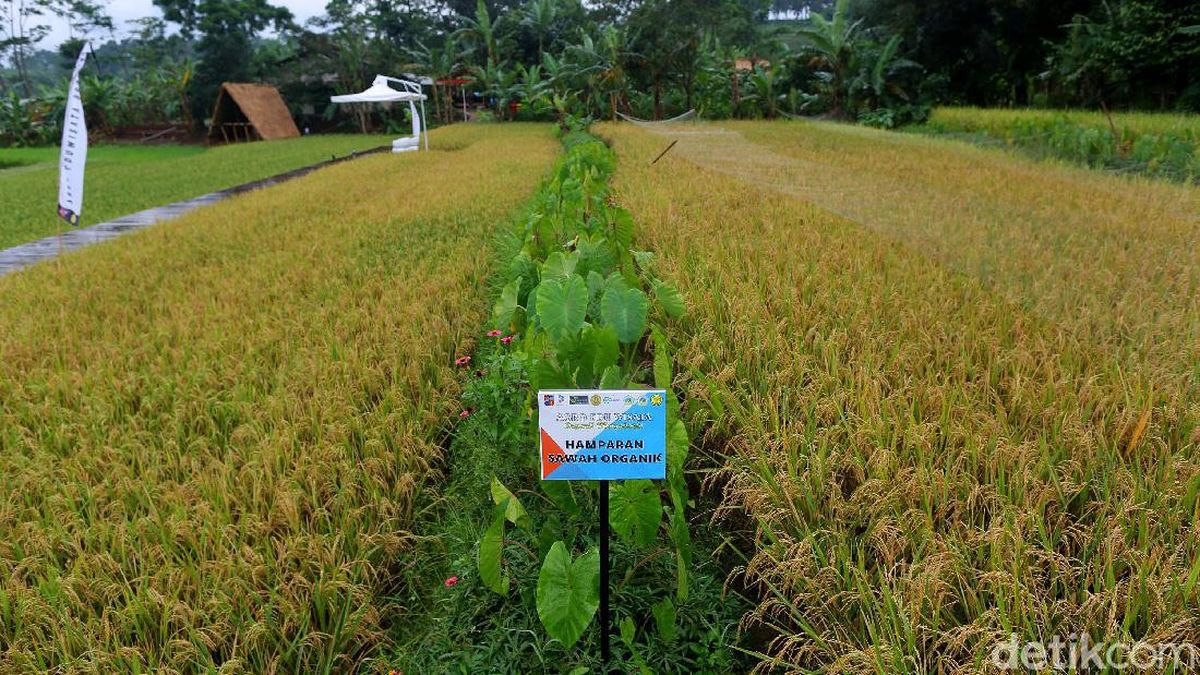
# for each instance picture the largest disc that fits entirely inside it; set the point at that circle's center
(881, 62)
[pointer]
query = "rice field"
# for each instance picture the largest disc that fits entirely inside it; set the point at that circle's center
(998, 121)
(215, 432)
(123, 179)
(1164, 145)
(951, 394)
(939, 395)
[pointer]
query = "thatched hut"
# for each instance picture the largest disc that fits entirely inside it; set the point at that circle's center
(250, 112)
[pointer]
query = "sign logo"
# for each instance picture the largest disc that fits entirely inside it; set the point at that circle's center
(621, 434)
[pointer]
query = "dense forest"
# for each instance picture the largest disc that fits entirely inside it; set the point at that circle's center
(880, 62)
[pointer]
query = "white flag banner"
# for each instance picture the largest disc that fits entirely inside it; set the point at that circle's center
(73, 155)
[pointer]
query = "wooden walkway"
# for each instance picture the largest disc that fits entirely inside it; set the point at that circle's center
(18, 257)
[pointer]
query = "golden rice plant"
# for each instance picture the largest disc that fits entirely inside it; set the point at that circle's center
(214, 431)
(999, 121)
(122, 179)
(939, 436)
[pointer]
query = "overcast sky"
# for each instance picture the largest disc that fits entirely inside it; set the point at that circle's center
(123, 11)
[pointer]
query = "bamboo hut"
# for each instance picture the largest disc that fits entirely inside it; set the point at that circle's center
(250, 112)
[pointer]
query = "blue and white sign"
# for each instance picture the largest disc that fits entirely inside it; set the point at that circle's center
(603, 434)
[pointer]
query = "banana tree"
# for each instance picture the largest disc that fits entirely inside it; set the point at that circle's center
(832, 43)
(539, 16)
(498, 84)
(765, 82)
(602, 65)
(439, 64)
(480, 31)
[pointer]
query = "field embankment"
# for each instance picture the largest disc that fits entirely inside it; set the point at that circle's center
(124, 179)
(214, 431)
(964, 407)
(1158, 144)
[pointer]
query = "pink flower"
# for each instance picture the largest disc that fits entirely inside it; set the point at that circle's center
(480, 373)
(451, 582)
(462, 360)
(495, 333)
(507, 339)
(465, 414)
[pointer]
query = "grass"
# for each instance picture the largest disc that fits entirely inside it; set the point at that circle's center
(1158, 144)
(215, 431)
(996, 121)
(955, 392)
(123, 179)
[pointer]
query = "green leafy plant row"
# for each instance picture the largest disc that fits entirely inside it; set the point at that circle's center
(581, 309)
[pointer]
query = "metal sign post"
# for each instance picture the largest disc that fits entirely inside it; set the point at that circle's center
(605, 617)
(603, 435)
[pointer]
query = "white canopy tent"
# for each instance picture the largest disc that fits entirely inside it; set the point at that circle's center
(380, 92)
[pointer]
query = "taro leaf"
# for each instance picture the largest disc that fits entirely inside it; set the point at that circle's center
(551, 532)
(568, 593)
(559, 265)
(506, 305)
(645, 261)
(613, 378)
(515, 513)
(669, 299)
(628, 635)
(677, 451)
(585, 356)
(545, 376)
(561, 306)
(615, 280)
(625, 309)
(595, 255)
(595, 284)
(622, 228)
(559, 492)
(545, 232)
(664, 619)
(636, 511)
(531, 311)
(662, 360)
(524, 268)
(604, 348)
(628, 631)
(683, 552)
(573, 354)
(491, 552)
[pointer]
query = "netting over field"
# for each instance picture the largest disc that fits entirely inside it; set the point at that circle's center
(689, 116)
(1059, 240)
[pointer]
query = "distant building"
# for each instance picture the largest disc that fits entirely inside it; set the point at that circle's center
(798, 10)
(747, 65)
(801, 14)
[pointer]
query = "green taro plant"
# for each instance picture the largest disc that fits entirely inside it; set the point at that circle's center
(581, 309)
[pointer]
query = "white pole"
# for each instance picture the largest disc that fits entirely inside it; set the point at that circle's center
(425, 123)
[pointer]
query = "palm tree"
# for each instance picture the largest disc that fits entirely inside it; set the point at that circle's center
(832, 42)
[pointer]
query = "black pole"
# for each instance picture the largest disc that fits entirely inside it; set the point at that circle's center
(605, 619)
